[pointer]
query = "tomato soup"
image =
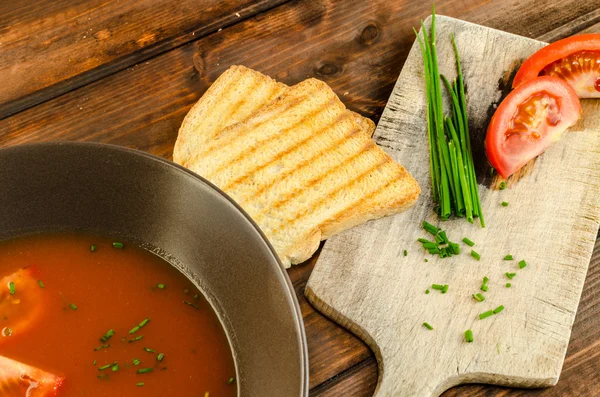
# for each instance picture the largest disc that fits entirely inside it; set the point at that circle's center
(88, 316)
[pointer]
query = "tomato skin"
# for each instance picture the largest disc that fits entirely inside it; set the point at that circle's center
(535, 64)
(17, 378)
(508, 153)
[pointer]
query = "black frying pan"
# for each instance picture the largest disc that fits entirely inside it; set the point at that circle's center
(116, 191)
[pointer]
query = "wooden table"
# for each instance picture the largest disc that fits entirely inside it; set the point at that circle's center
(126, 72)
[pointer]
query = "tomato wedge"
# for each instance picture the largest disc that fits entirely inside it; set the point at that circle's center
(528, 121)
(575, 59)
(22, 380)
(20, 302)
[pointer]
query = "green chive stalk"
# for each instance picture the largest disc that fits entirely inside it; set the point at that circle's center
(453, 180)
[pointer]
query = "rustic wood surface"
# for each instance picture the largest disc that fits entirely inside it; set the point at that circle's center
(363, 281)
(137, 96)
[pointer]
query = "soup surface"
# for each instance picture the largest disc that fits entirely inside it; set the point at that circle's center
(104, 320)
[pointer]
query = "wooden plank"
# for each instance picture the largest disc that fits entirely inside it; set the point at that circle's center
(153, 97)
(533, 19)
(358, 381)
(363, 282)
(53, 46)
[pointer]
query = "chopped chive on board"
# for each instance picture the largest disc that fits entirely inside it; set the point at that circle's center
(522, 264)
(428, 326)
(468, 242)
(478, 297)
(469, 336)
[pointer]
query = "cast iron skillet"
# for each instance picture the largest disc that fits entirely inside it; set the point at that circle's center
(122, 192)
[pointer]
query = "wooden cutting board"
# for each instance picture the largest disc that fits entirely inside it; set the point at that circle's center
(363, 281)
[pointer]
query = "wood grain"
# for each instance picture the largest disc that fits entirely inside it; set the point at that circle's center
(142, 106)
(358, 381)
(53, 46)
(363, 282)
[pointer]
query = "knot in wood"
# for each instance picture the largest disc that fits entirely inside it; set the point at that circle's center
(328, 69)
(369, 34)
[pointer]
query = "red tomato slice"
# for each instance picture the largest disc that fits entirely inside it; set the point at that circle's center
(22, 380)
(528, 121)
(575, 59)
(21, 309)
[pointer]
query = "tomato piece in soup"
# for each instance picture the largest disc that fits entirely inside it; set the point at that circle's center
(20, 302)
(21, 380)
(528, 121)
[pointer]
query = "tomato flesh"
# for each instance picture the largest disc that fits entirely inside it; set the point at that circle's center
(581, 70)
(529, 120)
(21, 380)
(575, 59)
(20, 310)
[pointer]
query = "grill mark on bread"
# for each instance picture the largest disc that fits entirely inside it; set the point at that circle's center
(235, 106)
(252, 149)
(231, 76)
(398, 173)
(405, 199)
(185, 129)
(323, 226)
(220, 143)
(308, 162)
(309, 209)
(368, 147)
(315, 134)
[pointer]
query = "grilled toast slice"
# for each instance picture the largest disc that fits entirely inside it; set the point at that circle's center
(235, 95)
(304, 168)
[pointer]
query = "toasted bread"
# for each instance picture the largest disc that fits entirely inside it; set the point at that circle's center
(235, 95)
(304, 168)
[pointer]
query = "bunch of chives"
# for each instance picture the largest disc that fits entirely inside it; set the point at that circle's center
(453, 181)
